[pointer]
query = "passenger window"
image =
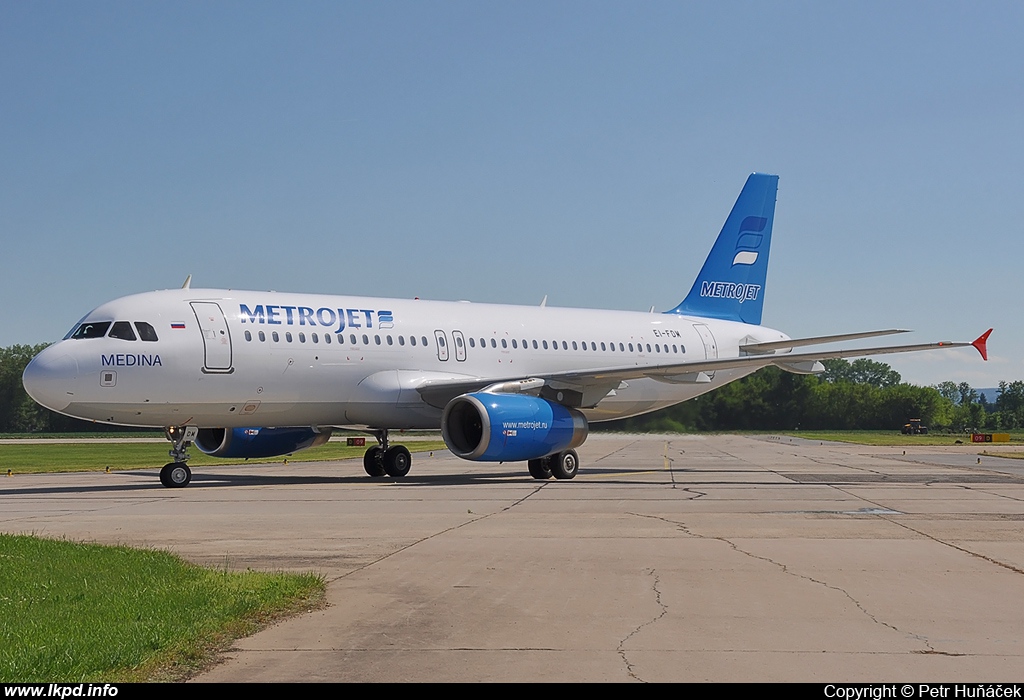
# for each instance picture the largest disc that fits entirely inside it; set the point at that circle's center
(327, 338)
(352, 338)
(574, 346)
(423, 338)
(288, 337)
(302, 337)
(263, 337)
(316, 338)
(366, 340)
(146, 331)
(275, 336)
(515, 344)
(401, 340)
(391, 341)
(504, 344)
(122, 330)
(565, 346)
(472, 342)
(376, 339)
(412, 340)
(248, 336)
(91, 330)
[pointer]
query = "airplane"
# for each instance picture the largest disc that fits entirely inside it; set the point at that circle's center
(261, 374)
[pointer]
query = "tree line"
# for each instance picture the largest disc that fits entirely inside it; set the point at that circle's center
(859, 395)
(19, 413)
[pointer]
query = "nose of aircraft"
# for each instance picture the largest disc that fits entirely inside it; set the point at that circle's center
(50, 378)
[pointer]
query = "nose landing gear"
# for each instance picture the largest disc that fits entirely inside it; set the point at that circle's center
(176, 474)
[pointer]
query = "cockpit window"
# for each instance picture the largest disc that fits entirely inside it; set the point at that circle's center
(146, 331)
(96, 329)
(122, 330)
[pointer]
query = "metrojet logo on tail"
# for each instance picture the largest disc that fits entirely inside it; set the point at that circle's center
(730, 290)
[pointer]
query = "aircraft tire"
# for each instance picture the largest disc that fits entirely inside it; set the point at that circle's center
(373, 461)
(397, 461)
(540, 468)
(565, 465)
(175, 475)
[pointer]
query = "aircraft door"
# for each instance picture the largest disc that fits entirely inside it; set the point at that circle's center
(460, 346)
(216, 337)
(442, 345)
(710, 345)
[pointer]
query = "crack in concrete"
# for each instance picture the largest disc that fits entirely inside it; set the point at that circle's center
(937, 540)
(615, 452)
(432, 535)
(979, 555)
(786, 570)
(621, 649)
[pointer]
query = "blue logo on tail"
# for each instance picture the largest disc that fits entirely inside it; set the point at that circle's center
(730, 286)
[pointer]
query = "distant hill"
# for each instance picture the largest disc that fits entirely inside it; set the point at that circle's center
(989, 394)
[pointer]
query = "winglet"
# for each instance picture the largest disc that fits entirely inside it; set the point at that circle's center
(980, 344)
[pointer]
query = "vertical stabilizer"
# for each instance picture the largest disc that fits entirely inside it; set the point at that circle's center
(731, 284)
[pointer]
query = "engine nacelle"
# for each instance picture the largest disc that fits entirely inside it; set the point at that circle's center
(258, 442)
(510, 427)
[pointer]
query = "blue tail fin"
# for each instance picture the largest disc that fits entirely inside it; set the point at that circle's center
(730, 286)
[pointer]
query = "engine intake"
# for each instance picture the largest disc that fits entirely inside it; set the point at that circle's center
(510, 428)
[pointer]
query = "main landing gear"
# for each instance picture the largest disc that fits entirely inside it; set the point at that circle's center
(176, 474)
(380, 459)
(561, 465)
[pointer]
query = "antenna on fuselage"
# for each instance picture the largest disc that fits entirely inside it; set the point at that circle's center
(188, 282)
(544, 301)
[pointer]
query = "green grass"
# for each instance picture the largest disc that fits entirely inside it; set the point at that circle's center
(894, 437)
(68, 457)
(80, 612)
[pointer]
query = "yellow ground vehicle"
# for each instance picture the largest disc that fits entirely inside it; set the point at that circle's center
(914, 427)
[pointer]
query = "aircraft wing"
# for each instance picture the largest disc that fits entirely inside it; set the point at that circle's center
(585, 388)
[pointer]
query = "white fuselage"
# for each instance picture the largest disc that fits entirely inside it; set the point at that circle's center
(238, 358)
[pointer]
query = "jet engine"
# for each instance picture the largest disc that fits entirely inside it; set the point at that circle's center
(510, 427)
(258, 442)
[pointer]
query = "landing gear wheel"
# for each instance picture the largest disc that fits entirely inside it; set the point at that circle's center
(373, 461)
(175, 475)
(397, 461)
(564, 465)
(540, 468)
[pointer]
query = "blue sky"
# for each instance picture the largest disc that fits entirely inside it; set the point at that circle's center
(588, 151)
